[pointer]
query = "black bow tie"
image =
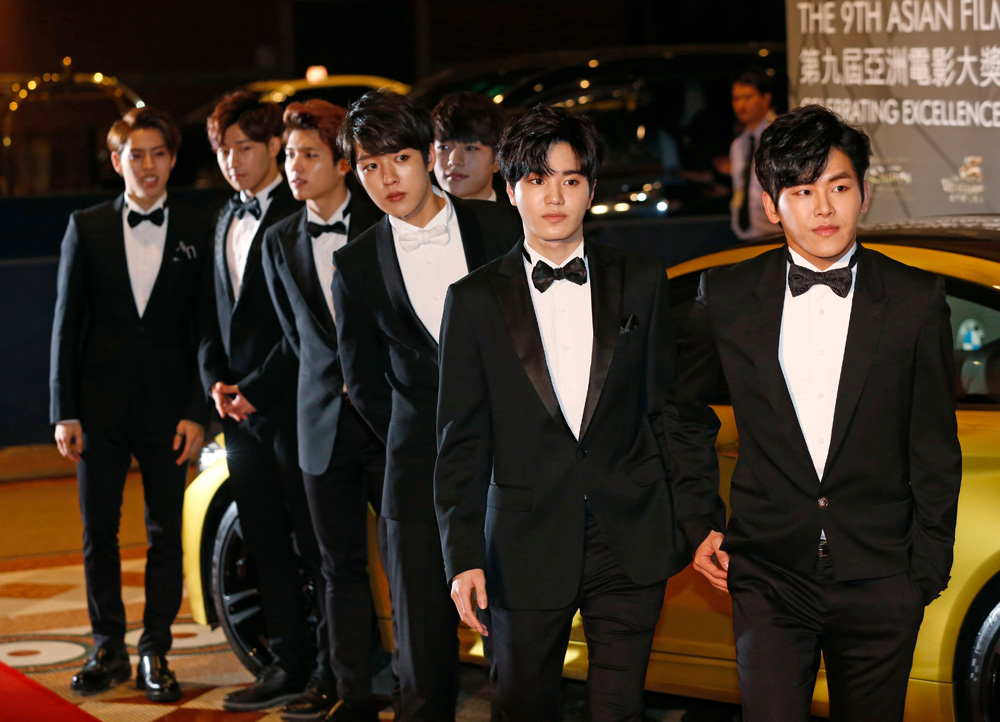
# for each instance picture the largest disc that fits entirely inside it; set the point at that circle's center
(543, 275)
(135, 218)
(839, 280)
(318, 229)
(240, 208)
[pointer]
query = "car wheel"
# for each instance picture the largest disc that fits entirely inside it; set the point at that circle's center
(978, 693)
(234, 591)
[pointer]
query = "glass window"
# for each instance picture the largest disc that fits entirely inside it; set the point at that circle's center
(975, 327)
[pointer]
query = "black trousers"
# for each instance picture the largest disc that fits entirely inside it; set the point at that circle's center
(275, 519)
(425, 623)
(338, 502)
(101, 472)
(866, 631)
(529, 646)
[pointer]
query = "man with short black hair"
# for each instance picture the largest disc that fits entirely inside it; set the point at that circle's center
(752, 98)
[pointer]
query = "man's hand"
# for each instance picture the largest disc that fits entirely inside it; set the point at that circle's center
(462, 588)
(192, 434)
(221, 399)
(69, 439)
(712, 561)
(229, 401)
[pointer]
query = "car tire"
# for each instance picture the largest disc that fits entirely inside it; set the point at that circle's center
(237, 599)
(978, 683)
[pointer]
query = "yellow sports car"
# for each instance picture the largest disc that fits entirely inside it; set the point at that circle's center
(957, 659)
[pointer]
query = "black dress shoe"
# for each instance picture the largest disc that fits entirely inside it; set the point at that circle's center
(154, 676)
(273, 687)
(106, 668)
(346, 711)
(316, 700)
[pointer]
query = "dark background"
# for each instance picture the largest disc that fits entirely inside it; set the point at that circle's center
(181, 53)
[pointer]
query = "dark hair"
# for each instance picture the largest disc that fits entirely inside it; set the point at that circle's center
(260, 120)
(795, 149)
(468, 117)
(383, 121)
(524, 147)
(319, 115)
(756, 77)
(145, 117)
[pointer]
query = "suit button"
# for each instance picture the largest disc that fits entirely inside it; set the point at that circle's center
(823, 502)
(581, 454)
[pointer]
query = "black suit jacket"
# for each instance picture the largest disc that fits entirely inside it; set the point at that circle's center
(105, 357)
(243, 343)
(390, 360)
(889, 493)
(292, 279)
(511, 477)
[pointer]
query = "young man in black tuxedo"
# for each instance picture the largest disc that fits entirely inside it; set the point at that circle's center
(124, 382)
(388, 291)
(250, 370)
(467, 128)
(551, 485)
(839, 363)
(342, 460)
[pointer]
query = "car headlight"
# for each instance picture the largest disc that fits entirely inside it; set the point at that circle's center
(210, 453)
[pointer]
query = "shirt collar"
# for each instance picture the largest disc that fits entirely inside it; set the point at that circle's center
(338, 215)
(843, 262)
(127, 206)
(534, 256)
(265, 193)
(443, 217)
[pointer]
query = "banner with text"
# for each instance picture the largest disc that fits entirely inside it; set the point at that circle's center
(922, 77)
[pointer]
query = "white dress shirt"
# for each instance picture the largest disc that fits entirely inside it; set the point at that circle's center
(324, 246)
(434, 265)
(811, 353)
(241, 235)
(566, 323)
(144, 251)
(759, 224)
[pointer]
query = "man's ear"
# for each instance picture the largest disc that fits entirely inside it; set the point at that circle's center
(510, 195)
(342, 166)
(274, 146)
(769, 208)
(593, 187)
(431, 157)
(116, 162)
(868, 196)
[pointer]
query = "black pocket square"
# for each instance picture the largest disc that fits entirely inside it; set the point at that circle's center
(629, 324)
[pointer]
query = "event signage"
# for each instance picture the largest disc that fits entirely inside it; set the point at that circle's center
(922, 77)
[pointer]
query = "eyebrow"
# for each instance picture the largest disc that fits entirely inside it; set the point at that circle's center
(841, 176)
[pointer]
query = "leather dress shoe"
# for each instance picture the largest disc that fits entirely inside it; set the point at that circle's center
(154, 676)
(345, 711)
(316, 699)
(273, 687)
(106, 668)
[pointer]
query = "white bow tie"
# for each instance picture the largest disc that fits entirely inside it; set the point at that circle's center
(411, 240)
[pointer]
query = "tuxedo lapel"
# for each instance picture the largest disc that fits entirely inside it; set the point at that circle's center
(472, 237)
(769, 296)
(169, 248)
(605, 273)
(392, 276)
(302, 265)
(119, 259)
(510, 284)
(868, 313)
(221, 235)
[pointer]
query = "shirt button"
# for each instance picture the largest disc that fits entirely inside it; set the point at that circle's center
(820, 352)
(565, 348)
(822, 312)
(823, 502)
(436, 298)
(821, 441)
(562, 310)
(570, 388)
(821, 394)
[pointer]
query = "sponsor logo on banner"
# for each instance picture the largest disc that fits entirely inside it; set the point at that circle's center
(967, 185)
(889, 175)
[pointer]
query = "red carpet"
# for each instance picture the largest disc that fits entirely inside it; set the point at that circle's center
(22, 700)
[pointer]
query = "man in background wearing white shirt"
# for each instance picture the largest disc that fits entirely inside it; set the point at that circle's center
(752, 100)
(840, 367)
(124, 382)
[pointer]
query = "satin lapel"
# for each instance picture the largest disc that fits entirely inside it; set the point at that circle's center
(221, 267)
(116, 231)
(392, 276)
(302, 265)
(606, 278)
(510, 284)
(770, 297)
(472, 236)
(169, 247)
(868, 314)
